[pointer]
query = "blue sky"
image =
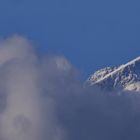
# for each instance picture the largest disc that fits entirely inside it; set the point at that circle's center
(92, 34)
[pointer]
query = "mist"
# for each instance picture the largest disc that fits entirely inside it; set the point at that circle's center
(42, 98)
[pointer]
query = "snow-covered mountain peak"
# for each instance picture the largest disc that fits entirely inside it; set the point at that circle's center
(124, 77)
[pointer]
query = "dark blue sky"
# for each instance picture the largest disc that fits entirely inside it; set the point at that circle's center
(91, 33)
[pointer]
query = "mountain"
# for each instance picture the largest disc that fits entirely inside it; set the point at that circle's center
(126, 77)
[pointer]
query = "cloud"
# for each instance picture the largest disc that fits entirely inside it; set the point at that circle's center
(23, 114)
(41, 98)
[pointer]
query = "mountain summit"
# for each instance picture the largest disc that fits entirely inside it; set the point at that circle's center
(126, 77)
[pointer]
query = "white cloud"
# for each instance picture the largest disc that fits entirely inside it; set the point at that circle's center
(42, 99)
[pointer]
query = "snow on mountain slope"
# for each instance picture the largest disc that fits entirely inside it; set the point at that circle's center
(125, 77)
